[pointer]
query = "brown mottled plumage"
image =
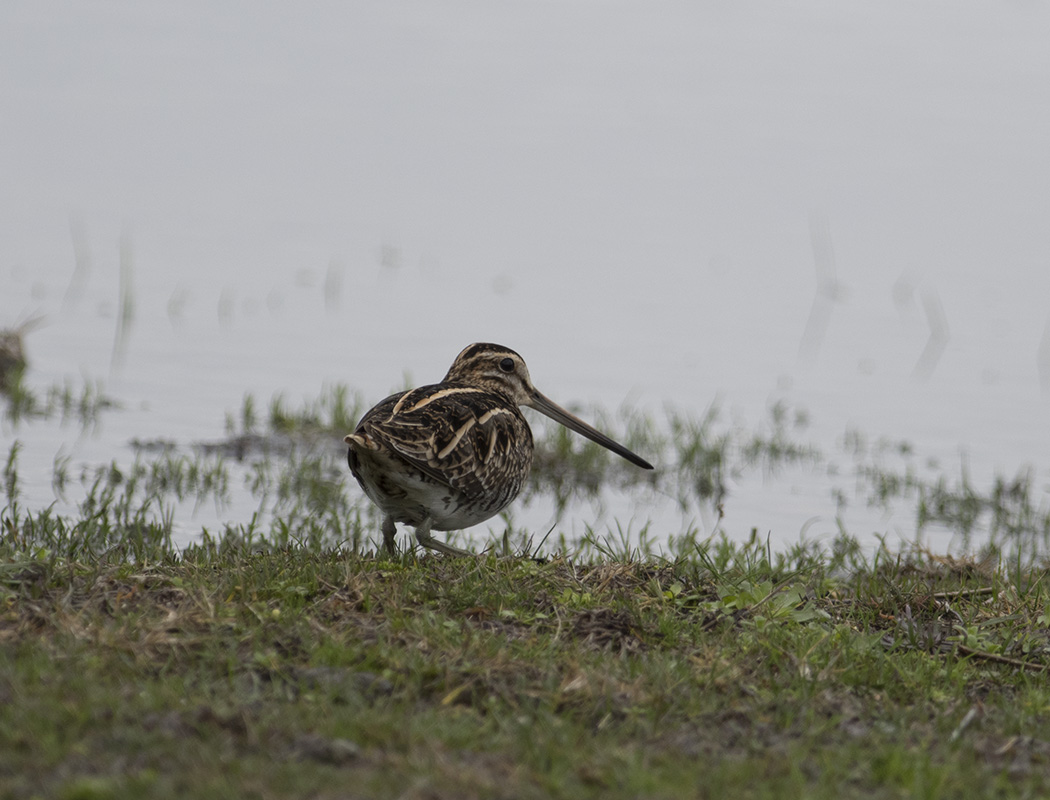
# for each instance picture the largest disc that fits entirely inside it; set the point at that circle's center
(455, 453)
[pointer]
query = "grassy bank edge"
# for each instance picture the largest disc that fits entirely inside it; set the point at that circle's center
(241, 670)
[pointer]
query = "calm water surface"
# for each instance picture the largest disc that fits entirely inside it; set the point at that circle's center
(844, 208)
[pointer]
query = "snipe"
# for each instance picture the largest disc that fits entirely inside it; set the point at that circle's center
(453, 454)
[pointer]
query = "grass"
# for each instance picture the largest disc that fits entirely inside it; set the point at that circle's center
(230, 670)
(282, 657)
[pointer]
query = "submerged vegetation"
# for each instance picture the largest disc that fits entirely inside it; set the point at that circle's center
(281, 656)
(286, 465)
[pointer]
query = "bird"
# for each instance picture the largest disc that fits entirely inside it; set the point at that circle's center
(453, 454)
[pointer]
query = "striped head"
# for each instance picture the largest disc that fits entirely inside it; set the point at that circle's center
(500, 370)
(493, 368)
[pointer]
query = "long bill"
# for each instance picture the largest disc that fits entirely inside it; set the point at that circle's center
(551, 409)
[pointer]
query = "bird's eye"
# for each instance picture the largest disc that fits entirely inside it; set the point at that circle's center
(507, 365)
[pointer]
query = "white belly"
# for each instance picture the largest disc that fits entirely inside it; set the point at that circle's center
(409, 497)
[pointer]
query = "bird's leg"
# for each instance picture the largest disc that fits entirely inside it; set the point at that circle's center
(426, 540)
(389, 531)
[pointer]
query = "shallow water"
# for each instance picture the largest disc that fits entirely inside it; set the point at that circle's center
(842, 208)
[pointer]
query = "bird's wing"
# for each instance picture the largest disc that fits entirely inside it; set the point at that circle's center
(466, 438)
